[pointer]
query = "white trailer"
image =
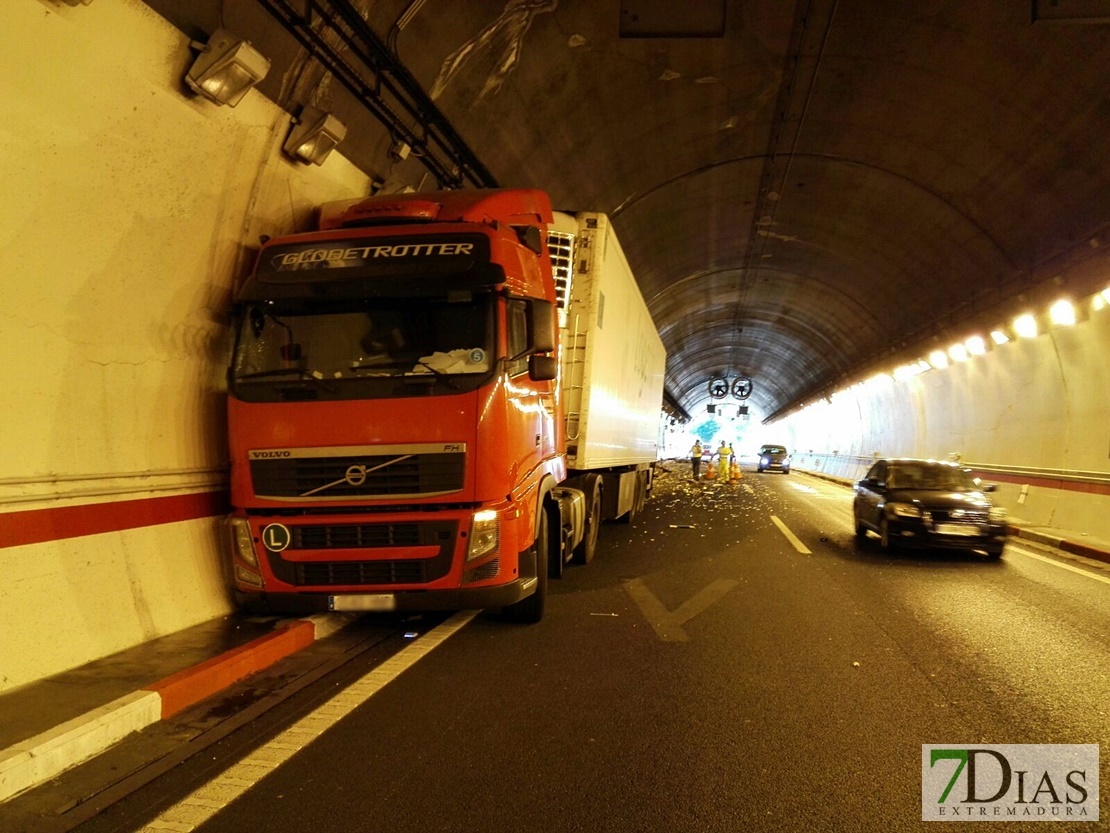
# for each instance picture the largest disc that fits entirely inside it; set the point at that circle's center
(613, 363)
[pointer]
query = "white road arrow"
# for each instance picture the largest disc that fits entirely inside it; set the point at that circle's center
(667, 624)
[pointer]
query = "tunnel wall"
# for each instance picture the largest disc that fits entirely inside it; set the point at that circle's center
(1032, 415)
(129, 208)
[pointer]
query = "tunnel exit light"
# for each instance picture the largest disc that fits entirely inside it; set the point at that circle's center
(1025, 326)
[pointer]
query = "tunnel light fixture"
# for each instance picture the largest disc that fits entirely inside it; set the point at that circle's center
(999, 336)
(880, 380)
(226, 68)
(908, 371)
(938, 359)
(315, 134)
(976, 345)
(958, 352)
(1025, 326)
(1062, 313)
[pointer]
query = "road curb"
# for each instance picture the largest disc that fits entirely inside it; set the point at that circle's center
(38, 759)
(1061, 543)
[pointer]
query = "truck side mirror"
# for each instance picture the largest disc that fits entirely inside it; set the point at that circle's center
(541, 327)
(543, 368)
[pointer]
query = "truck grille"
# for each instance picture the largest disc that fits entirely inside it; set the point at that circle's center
(368, 571)
(334, 573)
(354, 536)
(360, 475)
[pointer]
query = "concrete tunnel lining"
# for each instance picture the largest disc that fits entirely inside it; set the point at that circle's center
(161, 200)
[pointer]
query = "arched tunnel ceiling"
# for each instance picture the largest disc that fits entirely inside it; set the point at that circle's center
(810, 194)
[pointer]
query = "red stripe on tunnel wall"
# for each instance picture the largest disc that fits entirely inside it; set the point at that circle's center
(36, 526)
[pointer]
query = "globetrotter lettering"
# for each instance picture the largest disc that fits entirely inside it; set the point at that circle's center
(336, 255)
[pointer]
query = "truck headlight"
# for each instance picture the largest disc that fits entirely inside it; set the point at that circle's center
(242, 542)
(903, 510)
(485, 534)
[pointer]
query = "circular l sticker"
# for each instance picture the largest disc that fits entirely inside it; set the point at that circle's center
(276, 537)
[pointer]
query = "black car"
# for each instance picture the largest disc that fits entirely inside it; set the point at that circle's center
(774, 457)
(927, 504)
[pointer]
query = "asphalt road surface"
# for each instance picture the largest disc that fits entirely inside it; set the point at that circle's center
(733, 660)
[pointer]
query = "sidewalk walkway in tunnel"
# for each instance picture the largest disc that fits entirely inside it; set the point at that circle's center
(51, 725)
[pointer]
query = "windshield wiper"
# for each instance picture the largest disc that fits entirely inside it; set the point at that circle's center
(439, 374)
(305, 375)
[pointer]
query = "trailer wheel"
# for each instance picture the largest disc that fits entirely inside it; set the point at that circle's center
(638, 499)
(529, 610)
(587, 547)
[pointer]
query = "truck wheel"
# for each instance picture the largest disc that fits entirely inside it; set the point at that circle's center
(637, 501)
(529, 610)
(584, 552)
(557, 555)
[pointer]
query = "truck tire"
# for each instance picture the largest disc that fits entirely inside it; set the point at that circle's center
(529, 610)
(638, 500)
(587, 547)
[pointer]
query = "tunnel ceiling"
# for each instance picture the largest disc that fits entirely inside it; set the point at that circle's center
(807, 192)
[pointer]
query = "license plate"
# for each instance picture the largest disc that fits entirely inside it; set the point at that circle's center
(363, 601)
(957, 529)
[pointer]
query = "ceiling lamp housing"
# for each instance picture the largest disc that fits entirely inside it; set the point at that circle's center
(314, 135)
(226, 68)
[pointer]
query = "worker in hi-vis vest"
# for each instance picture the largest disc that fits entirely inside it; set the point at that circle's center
(723, 455)
(695, 459)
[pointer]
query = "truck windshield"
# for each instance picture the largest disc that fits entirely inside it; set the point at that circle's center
(346, 353)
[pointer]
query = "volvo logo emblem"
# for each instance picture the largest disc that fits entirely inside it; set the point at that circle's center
(356, 475)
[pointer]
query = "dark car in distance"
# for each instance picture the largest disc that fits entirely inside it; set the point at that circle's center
(928, 504)
(774, 457)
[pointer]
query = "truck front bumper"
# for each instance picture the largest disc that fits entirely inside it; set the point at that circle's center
(476, 598)
(412, 600)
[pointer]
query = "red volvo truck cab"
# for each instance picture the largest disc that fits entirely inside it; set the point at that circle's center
(397, 428)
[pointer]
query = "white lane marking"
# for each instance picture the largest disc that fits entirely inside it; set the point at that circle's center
(809, 490)
(791, 537)
(1010, 547)
(667, 624)
(196, 809)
